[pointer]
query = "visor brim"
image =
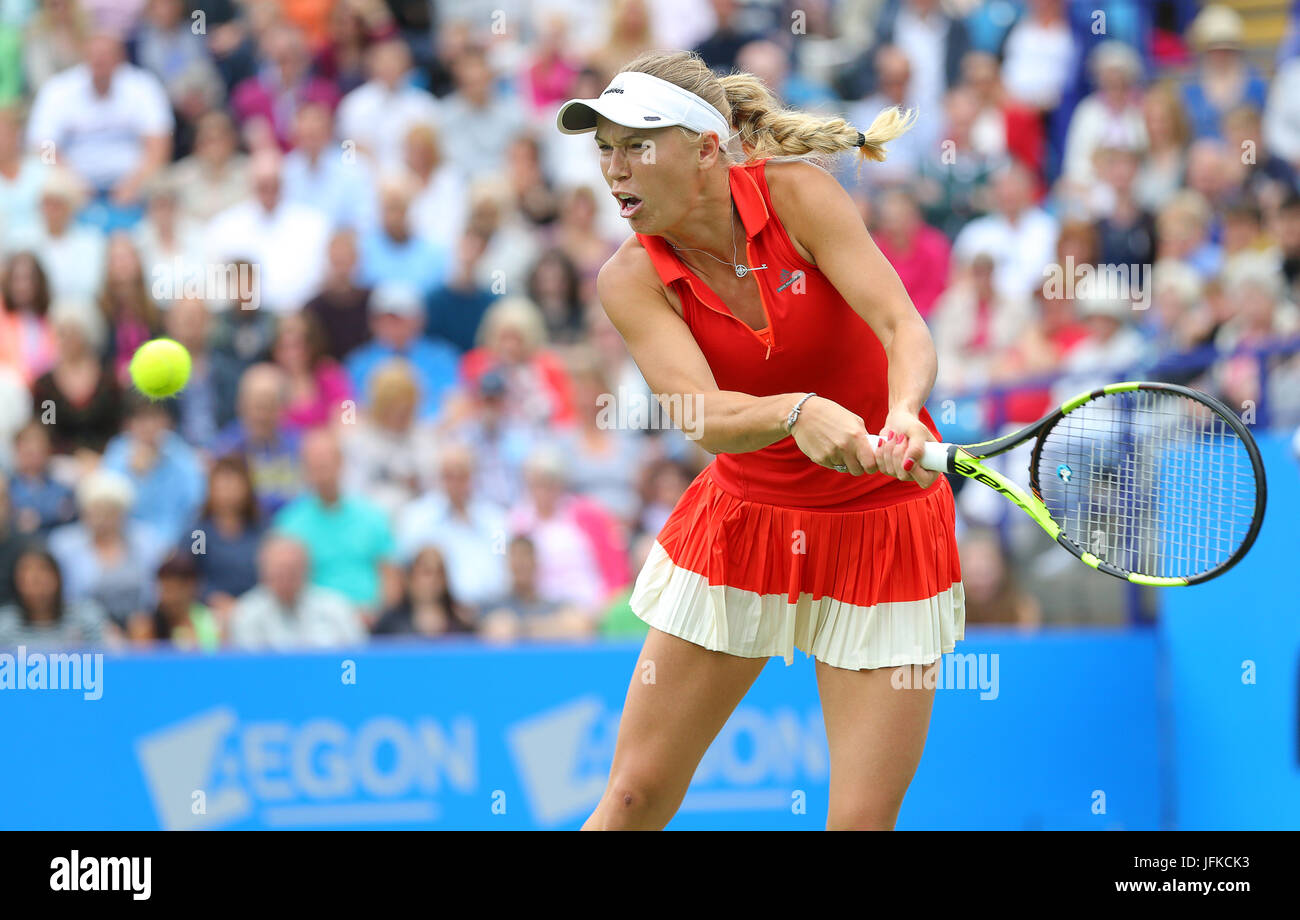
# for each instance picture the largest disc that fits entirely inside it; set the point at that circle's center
(578, 116)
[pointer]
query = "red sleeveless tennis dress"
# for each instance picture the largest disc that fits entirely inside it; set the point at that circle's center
(767, 551)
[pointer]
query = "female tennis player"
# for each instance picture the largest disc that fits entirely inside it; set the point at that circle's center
(751, 287)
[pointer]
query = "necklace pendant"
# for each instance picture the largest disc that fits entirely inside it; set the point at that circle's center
(742, 271)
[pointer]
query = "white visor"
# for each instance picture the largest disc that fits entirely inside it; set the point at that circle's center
(638, 100)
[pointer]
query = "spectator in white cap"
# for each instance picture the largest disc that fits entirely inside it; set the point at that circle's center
(1224, 79)
(71, 254)
(397, 318)
(107, 556)
(1115, 108)
(1112, 347)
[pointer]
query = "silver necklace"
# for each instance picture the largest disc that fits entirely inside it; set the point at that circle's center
(740, 269)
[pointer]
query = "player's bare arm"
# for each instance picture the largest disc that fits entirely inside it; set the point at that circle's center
(820, 216)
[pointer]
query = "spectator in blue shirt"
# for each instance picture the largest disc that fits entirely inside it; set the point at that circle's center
(40, 503)
(456, 308)
(396, 320)
(1224, 79)
(317, 173)
(257, 434)
(392, 252)
(163, 470)
(225, 539)
(214, 376)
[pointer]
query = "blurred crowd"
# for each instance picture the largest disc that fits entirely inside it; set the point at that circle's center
(359, 218)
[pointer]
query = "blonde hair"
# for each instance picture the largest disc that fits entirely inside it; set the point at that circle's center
(766, 127)
(513, 312)
(393, 383)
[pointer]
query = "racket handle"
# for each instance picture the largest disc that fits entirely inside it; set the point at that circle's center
(935, 457)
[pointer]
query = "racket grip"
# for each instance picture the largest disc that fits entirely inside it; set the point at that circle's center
(935, 457)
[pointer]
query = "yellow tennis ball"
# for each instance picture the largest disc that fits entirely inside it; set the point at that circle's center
(160, 368)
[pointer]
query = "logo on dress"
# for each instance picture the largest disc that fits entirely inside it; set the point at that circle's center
(788, 279)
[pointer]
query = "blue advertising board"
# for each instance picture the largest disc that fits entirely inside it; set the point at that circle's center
(1233, 652)
(1027, 733)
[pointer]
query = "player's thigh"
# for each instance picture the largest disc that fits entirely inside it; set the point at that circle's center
(680, 696)
(876, 725)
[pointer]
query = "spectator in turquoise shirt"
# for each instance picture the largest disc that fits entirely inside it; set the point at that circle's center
(348, 536)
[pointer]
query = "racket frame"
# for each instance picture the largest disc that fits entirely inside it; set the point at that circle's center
(965, 460)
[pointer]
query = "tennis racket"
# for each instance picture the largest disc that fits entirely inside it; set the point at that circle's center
(1154, 483)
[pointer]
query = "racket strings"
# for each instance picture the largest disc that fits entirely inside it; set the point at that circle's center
(1150, 481)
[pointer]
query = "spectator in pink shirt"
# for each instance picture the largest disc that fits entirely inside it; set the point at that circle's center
(266, 104)
(318, 385)
(26, 340)
(553, 70)
(131, 313)
(573, 543)
(918, 252)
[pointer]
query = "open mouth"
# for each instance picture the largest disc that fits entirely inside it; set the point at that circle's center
(627, 204)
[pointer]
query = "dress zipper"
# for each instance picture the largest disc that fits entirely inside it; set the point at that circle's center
(762, 300)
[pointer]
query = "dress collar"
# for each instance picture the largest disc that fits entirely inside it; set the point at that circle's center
(753, 212)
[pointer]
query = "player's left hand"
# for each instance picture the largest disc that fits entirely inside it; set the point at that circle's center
(899, 454)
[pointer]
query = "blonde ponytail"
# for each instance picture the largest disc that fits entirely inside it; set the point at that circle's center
(886, 126)
(766, 127)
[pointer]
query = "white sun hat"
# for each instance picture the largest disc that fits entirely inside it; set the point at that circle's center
(638, 100)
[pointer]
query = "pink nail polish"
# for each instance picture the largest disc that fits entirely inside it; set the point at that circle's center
(908, 464)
